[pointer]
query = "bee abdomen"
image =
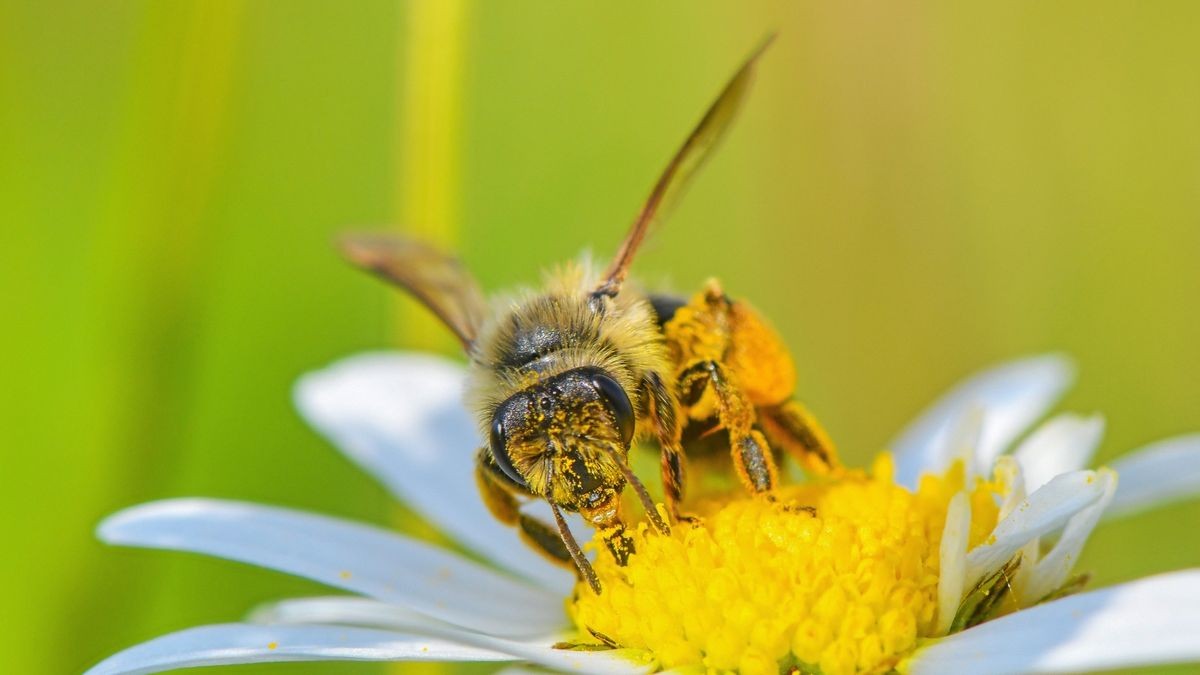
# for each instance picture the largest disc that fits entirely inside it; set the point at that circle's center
(665, 307)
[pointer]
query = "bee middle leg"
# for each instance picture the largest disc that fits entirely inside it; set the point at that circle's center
(664, 410)
(752, 459)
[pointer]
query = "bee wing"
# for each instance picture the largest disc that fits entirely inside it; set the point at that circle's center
(683, 166)
(438, 280)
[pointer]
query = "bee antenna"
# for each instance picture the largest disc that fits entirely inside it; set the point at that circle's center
(651, 509)
(581, 562)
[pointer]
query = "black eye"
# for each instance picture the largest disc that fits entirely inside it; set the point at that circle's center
(500, 452)
(618, 403)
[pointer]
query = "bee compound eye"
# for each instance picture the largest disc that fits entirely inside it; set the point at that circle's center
(499, 449)
(618, 402)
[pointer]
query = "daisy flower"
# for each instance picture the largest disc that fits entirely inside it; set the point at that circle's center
(951, 554)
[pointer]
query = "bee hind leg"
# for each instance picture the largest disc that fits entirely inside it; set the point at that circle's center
(792, 427)
(752, 459)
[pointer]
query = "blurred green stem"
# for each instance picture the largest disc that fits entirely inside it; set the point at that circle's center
(427, 156)
(428, 143)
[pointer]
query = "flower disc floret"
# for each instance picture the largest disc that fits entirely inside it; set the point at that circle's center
(840, 576)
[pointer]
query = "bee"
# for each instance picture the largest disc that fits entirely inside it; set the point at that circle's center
(565, 379)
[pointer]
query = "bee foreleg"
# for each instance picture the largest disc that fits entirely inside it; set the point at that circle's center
(500, 494)
(664, 410)
(790, 426)
(749, 449)
(568, 540)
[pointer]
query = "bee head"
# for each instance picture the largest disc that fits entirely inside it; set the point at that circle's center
(563, 439)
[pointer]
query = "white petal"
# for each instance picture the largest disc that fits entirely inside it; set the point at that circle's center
(243, 643)
(356, 557)
(1150, 621)
(1157, 474)
(1012, 395)
(1012, 480)
(401, 417)
(565, 661)
(365, 612)
(1043, 512)
(953, 560)
(1055, 566)
(343, 609)
(963, 440)
(1063, 443)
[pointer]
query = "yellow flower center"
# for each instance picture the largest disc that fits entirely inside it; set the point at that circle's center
(840, 576)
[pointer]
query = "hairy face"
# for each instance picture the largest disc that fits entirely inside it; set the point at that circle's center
(563, 438)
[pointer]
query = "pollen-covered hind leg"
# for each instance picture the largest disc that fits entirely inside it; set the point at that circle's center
(751, 454)
(753, 462)
(500, 493)
(790, 426)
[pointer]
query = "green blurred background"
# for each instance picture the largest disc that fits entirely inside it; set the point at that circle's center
(912, 193)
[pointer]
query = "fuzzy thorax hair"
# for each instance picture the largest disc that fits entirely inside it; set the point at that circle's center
(530, 336)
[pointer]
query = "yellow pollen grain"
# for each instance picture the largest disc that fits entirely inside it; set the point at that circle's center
(272, 645)
(759, 586)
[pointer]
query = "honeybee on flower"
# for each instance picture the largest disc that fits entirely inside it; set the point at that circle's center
(955, 552)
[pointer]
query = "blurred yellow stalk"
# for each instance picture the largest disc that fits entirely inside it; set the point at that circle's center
(427, 144)
(427, 157)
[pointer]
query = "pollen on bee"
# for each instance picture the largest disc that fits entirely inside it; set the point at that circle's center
(839, 577)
